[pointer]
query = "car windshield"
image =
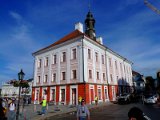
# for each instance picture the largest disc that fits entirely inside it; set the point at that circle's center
(123, 94)
(148, 96)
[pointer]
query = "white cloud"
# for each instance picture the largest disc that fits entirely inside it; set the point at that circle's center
(17, 47)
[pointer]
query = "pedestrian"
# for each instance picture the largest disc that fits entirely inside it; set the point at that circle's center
(2, 111)
(83, 112)
(12, 110)
(96, 100)
(137, 114)
(44, 106)
(80, 100)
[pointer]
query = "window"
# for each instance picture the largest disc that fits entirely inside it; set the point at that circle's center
(45, 78)
(116, 65)
(99, 94)
(64, 57)
(105, 93)
(89, 54)
(104, 77)
(74, 53)
(39, 63)
(110, 62)
(111, 77)
(46, 61)
(102, 59)
(74, 75)
(38, 79)
(53, 94)
(54, 59)
(96, 55)
(97, 75)
(63, 75)
(53, 77)
(90, 73)
(62, 95)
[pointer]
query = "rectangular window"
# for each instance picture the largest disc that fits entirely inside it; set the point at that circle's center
(54, 77)
(96, 55)
(74, 74)
(104, 77)
(110, 62)
(39, 79)
(116, 65)
(39, 63)
(45, 78)
(74, 53)
(62, 95)
(99, 94)
(64, 57)
(97, 75)
(89, 54)
(53, 94)
(102, 59)
(54, 59)
(111, 77)
(105, 93)
(90, 74)
(63, 75)
(46, 61)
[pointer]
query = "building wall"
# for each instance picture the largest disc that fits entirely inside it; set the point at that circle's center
(114, 65)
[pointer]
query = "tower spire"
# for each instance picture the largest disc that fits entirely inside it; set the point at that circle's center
(89, 25)
(89, 5)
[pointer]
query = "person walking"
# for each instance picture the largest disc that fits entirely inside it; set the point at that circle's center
(12, 110)
(96, 100)
(80, 100)
(2, 111)
(44, 106)
(83, 112)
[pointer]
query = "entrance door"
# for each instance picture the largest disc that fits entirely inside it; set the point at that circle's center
(92, 95)
(73, 96)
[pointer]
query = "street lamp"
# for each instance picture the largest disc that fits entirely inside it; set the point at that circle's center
(20, 77)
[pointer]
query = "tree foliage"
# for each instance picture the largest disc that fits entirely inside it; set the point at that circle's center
(17, 83)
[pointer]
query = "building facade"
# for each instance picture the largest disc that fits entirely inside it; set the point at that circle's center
(9, 91)
(80, 65)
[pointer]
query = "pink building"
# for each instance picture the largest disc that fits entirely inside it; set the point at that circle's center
(80, 65)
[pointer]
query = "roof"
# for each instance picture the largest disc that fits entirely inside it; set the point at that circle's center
(74, 34)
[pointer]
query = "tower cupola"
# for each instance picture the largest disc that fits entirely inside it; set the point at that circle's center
(89, 26)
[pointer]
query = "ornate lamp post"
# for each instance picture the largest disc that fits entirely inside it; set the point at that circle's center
(20, 77)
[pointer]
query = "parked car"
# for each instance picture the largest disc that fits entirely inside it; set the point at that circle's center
(124, 98)
(150, 99)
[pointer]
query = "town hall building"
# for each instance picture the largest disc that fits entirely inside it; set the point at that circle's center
(79, 64)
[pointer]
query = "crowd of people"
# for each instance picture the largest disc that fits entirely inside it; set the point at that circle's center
(9, 106)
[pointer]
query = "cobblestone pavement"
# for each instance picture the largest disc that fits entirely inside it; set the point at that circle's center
(30, 112)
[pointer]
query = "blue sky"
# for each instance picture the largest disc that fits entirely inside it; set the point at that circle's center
(127, 26)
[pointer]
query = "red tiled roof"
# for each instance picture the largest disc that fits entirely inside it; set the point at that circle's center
(70, 36)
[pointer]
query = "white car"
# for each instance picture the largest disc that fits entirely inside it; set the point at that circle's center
(150, 99)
